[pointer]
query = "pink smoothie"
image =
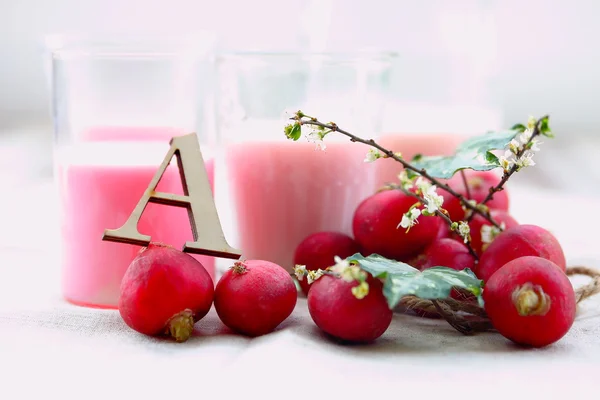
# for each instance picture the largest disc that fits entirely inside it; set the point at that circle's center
(427, 144)
(282, 191)
(100, 183)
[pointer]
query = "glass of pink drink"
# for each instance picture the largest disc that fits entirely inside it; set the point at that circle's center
(116, 107)
(279, 191)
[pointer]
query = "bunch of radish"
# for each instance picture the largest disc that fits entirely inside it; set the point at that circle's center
(165, 292)
(526, 293)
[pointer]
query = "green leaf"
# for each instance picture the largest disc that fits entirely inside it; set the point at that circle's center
(475, 153)
(545, 128)
(293, 131)
(402, 280)
(519, 128)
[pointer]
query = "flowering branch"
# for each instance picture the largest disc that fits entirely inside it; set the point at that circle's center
(292, 131)
(342, 269)
(519, 154)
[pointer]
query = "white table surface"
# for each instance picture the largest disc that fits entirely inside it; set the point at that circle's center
(51, 349)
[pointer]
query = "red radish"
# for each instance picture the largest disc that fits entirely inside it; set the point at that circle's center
(335, 310)
(375, 226)
(317, 251)
(449, 253)
(165, 291)
(452, 254)
(445, 232)
(478, 222)
(418, 262)
(530, 301)
(255, 296)
(519, 241)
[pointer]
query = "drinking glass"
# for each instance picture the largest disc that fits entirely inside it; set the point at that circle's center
(116, 105)
(277, 191)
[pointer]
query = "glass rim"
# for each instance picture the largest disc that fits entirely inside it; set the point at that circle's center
(370, 55)
(145, 46)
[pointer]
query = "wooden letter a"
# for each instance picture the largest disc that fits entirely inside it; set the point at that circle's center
(206, 227)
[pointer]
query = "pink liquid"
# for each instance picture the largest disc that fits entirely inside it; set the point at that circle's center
(427, 144)
(100, 192)
(284, 191)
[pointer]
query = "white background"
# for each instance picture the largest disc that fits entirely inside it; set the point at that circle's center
(512, 58)
(523, 57)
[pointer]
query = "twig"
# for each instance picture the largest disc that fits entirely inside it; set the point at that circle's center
(507, 174)
(370, 142)
(464, 179)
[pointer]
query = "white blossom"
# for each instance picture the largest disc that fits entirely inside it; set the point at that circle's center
(354, 273)
(514, 146)
(464, 230)
(372, 155)
(531, 121)
(314, 275)
(317, 138)
(535, 145)
(525, 136)
(300, 271)
(422, 184)
(489, 233)
(434, 201)
(361, 290)
(526, 160)
(410, 218)
(340, 265)
(347, 271)
(507, 160)
(405, 181)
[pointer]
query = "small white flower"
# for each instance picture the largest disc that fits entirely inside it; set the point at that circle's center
(353, 273)
(514, 146)
(410, 218)
(531, 122)
(526, 160)
(507, 160)
(405, 181)
(434, 201)
(361, 290)
(535, 145)
(372, 155)
(340, 265)
(422, 184)
(525, 136)
(489, 233)
(300, 271)
(464, 231)
(317, 138)
(347, 271)
(314, 275)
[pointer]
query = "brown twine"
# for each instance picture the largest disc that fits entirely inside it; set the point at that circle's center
(591, 288)
(476, 319)
(415, 303)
